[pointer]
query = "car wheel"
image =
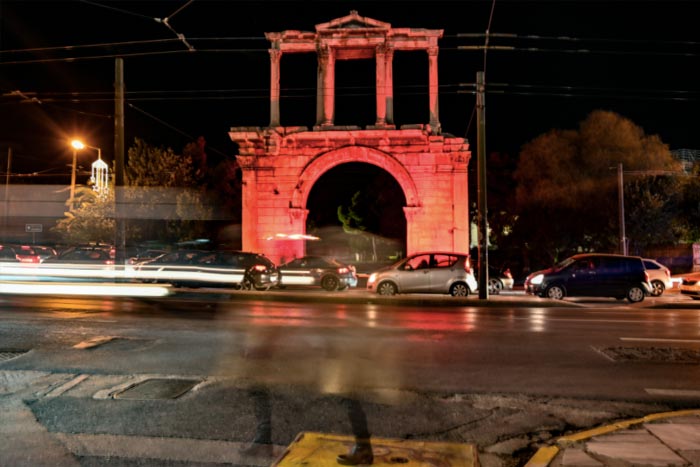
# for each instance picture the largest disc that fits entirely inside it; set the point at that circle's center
(386, 288)
(330, 283)
(495, 286)
(635, 294)
(459, 289)
(657, 288)
(555, 292)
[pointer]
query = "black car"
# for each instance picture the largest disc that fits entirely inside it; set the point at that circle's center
(202, 268)
(592, 275)
(320, 271)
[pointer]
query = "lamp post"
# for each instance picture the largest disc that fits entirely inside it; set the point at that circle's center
(99, 175)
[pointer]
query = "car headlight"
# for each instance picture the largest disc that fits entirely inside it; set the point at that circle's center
(537, 280)
(372, 278)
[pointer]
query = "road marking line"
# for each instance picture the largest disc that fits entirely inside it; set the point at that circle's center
(653, 339)
(55, 392)
(673, 392)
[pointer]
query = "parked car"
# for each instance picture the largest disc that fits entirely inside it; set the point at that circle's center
(45, 251)
(320, 271)
(500, 279)
(85, 254)
(659, 276)
(690, 285)
(428, 272)
(198, 268)
(18, 253)
(592, 275)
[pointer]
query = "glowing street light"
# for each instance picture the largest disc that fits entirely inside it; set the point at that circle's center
(99, 175)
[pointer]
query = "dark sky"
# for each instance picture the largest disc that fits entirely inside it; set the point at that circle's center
(640, 60)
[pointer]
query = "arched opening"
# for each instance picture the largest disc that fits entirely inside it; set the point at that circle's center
(372, 223)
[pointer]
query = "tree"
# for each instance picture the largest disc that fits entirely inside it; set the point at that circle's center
(353, 222)
(163, 202)
(567, 186)
(91, 221)
(164, 195)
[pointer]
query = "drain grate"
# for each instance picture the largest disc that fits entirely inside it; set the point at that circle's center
(651, 354)
(6, 355)
(157, 389)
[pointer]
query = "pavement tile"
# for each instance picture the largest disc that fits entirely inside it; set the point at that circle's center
(576, 457)
(676, 435)
(638, 447)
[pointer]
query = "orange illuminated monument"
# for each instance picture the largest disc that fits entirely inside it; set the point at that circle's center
(280, 164)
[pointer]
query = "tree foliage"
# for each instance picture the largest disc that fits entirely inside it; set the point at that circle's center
(91, 221)
(567, 188)
(163, 198)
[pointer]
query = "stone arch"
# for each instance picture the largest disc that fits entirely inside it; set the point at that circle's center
(322, 163)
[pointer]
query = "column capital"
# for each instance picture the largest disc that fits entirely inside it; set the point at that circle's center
(275, 54)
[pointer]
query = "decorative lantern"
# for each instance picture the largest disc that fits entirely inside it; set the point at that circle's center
(100, 177)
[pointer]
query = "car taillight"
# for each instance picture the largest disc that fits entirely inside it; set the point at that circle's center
(508, 274)
(646, 275)
(343, 270)
(260, 267)
(468, 265)
(27, 259)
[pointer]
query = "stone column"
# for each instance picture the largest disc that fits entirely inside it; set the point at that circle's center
(389, 85)
(433, 89)
(380, 73)
(322, 60)
(412, 238)
(275, 56)
(327, 61)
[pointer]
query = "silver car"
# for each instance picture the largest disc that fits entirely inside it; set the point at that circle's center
(659, 276)
(427, 272)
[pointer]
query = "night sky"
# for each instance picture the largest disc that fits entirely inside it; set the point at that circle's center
(554, 62)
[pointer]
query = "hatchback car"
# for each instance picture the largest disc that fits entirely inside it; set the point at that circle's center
(321, 271)
(690, 285)
(592, 275)
(659, 276)
(429, 272)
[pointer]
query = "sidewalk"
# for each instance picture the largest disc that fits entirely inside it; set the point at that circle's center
(669, 439)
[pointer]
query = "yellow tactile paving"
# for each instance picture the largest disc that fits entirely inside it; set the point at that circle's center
(321, 450)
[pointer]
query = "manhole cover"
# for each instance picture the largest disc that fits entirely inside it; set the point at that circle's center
(157, 389)
(651, 354)
(6, 355)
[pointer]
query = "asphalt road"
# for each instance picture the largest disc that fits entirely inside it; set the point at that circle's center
(506, 375)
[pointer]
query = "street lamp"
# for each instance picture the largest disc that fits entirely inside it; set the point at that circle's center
(99, 175)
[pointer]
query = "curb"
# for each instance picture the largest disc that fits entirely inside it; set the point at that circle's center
(545, 455)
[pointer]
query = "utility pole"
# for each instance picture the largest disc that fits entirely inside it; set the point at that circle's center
(621, 203)
(120, 212)
(481, 158)
(7, 186)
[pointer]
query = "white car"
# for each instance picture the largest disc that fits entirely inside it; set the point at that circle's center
(690, 285)
(428, 272)
(659, 276)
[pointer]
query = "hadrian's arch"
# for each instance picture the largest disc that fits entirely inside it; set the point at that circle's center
(280, 164)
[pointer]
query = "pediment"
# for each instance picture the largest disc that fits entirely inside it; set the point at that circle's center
(352, 21)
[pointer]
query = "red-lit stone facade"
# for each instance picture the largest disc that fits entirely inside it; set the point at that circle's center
(281, 164)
